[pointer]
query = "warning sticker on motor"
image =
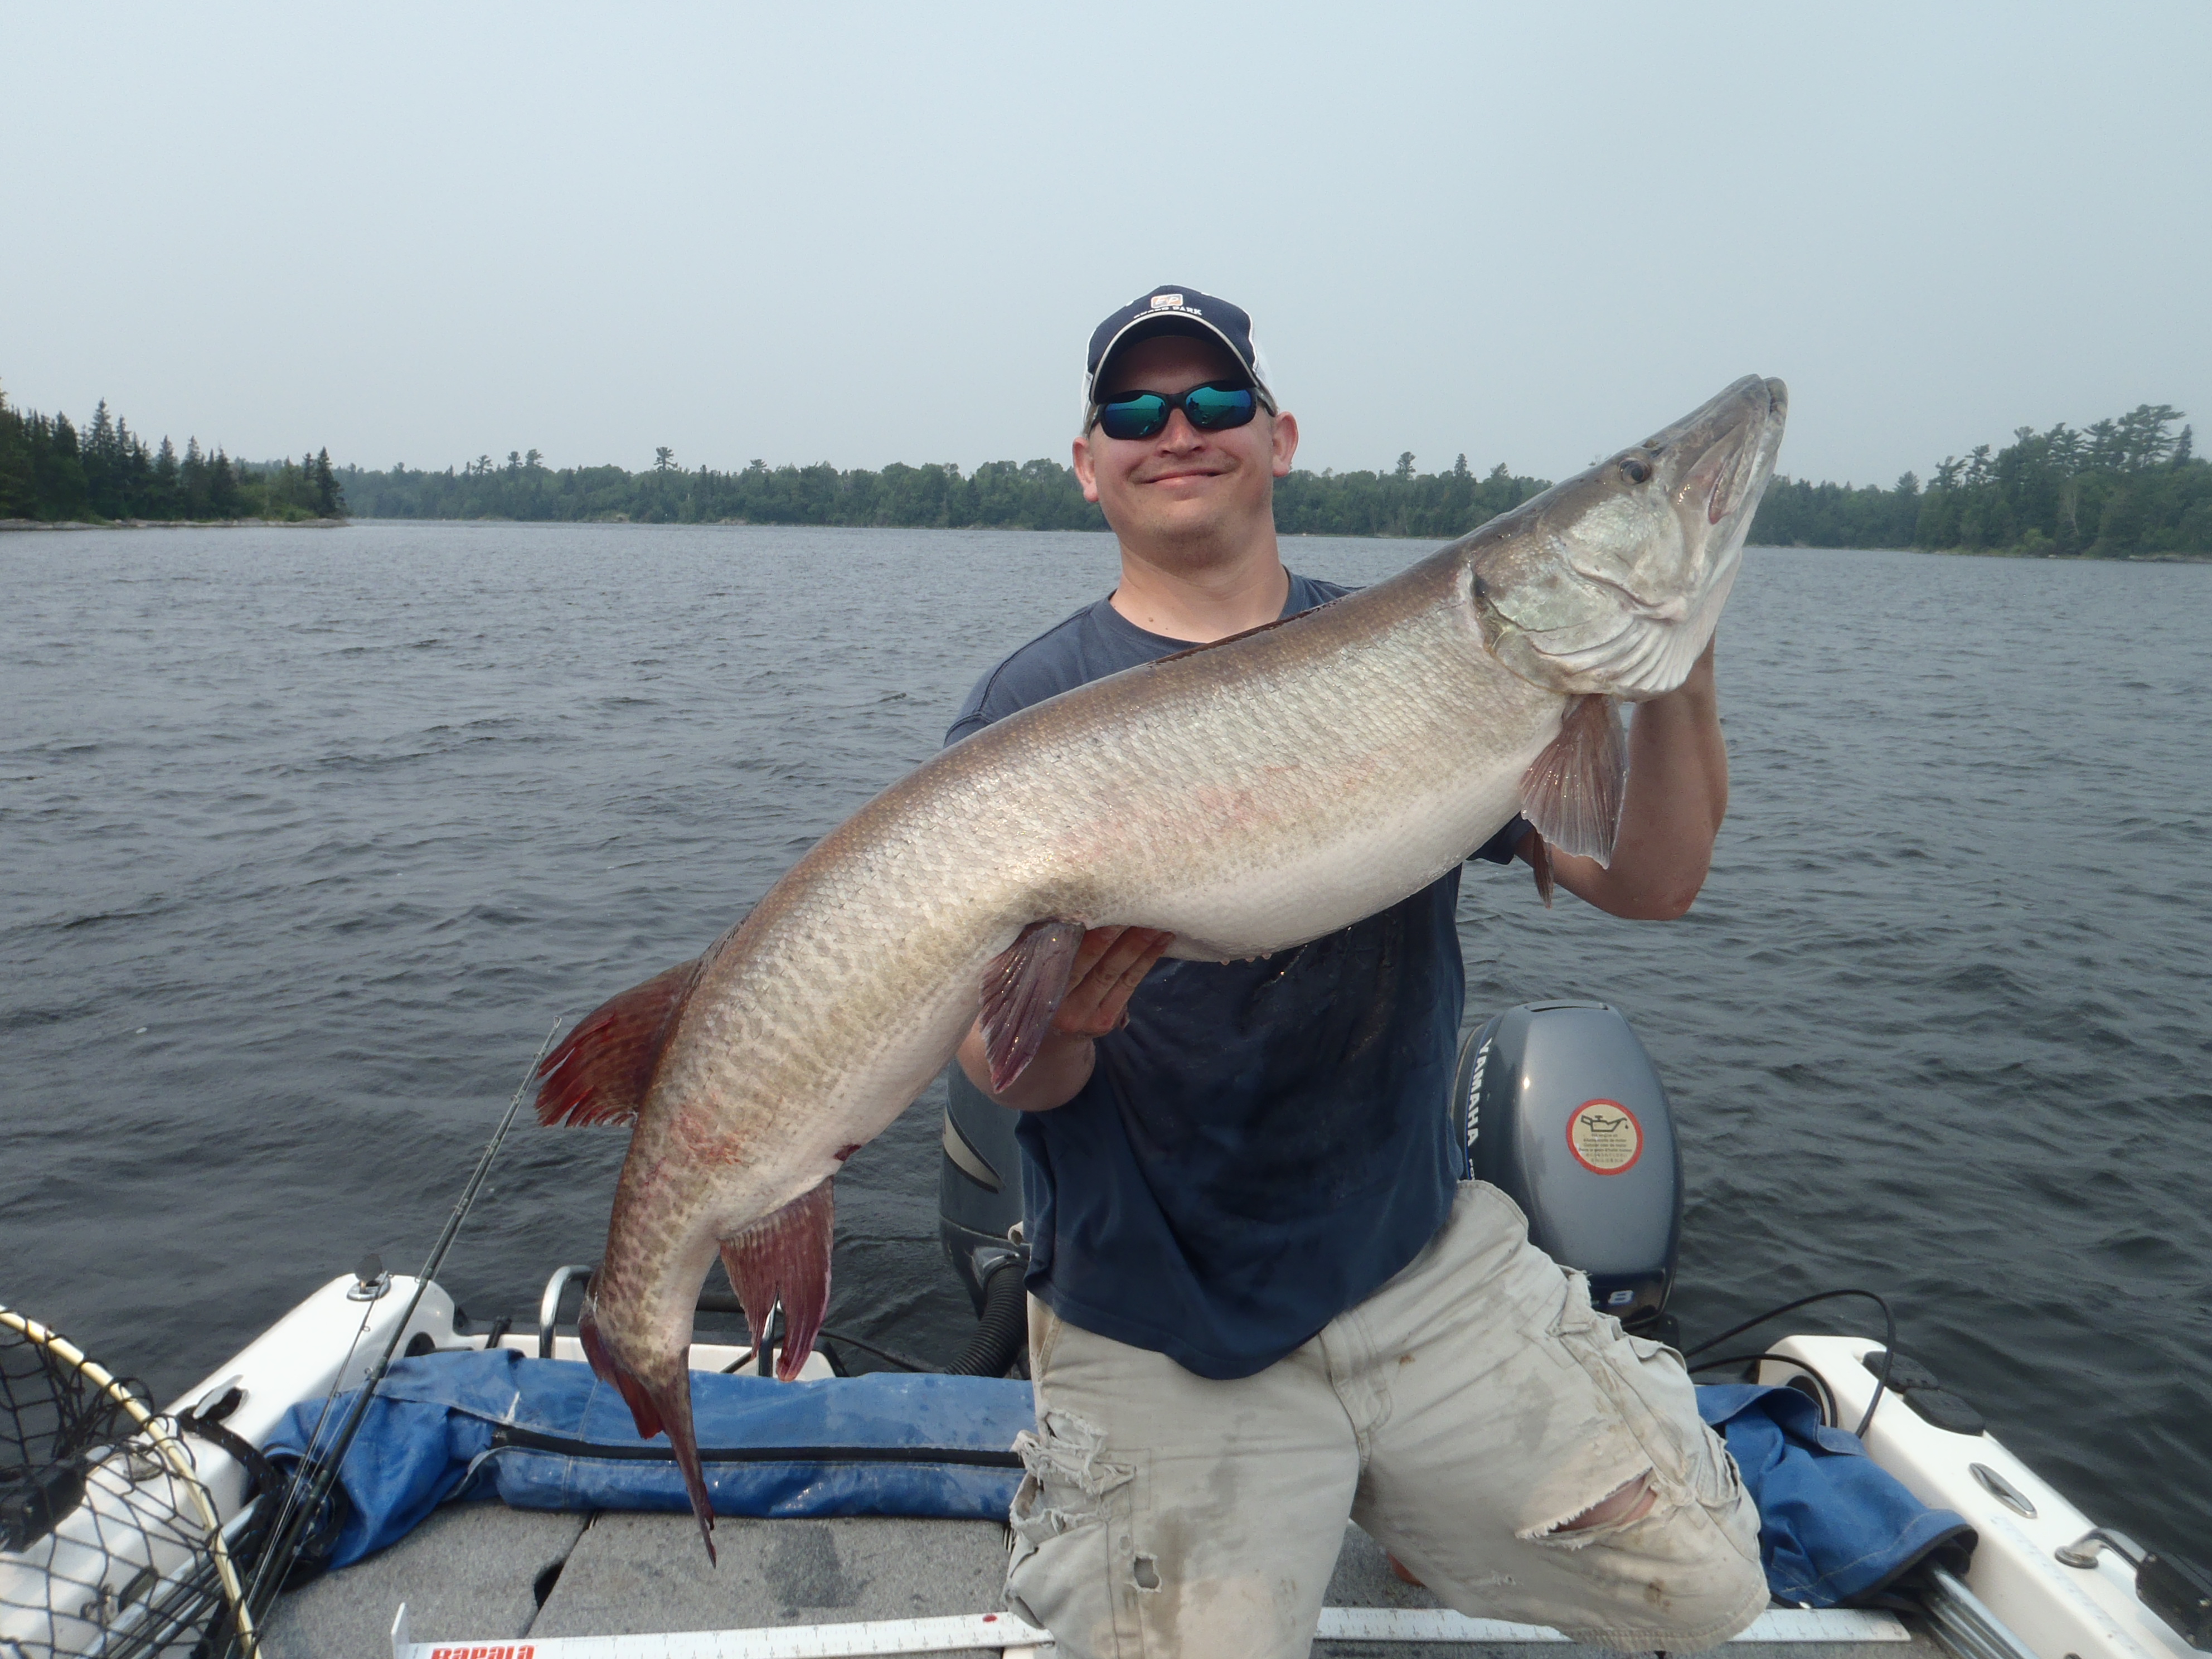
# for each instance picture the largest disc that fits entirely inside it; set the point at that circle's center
(1604, 1136)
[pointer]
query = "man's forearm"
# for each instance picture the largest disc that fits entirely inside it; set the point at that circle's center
(1056, 1076)
(1678, 791)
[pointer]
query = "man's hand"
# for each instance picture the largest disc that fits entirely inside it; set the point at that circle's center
(1109, 964)
(1678, 789)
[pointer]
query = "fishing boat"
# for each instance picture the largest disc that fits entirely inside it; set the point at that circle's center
(128, 1531)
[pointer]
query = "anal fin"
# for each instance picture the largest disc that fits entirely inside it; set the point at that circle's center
(785, 1256)
(1021, 989)
(603, 1068)
(1572, 792)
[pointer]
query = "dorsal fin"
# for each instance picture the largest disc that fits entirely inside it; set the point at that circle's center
(601, 1071)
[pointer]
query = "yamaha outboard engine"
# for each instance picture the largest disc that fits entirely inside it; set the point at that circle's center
(979, 1221)
(1558, 1104)
(979, 1185)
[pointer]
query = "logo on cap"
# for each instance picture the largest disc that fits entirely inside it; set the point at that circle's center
(1167, 302)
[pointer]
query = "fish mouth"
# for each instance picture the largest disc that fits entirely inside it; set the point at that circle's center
(1742, 460)
(1619, 577)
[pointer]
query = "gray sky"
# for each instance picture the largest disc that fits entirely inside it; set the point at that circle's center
(809, 233)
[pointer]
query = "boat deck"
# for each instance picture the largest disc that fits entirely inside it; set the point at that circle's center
(481, 1570)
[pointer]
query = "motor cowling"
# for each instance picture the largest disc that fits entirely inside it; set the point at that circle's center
(1557, 1103)
(979, 1185)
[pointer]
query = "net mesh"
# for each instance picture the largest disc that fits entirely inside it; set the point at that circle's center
(103, 1549)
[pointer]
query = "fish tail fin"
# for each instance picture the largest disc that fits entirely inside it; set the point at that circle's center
(787, 1256)
(612, 1370)
(603, 1069)
(675, 1404)
(656, 1410)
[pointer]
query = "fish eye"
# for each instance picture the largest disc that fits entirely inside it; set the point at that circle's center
(1635, 468)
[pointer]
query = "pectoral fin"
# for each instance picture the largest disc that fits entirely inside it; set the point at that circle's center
(1021, 989)
(1572, 792)
(784, 1255)
(1540, 859)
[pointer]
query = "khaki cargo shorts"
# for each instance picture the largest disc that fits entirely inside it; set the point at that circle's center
(1460, 1415)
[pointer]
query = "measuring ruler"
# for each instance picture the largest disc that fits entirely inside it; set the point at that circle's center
(1020, 1640)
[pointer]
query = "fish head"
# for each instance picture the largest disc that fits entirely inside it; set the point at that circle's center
(1610, 582)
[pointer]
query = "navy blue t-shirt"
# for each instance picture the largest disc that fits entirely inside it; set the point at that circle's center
(1266, 1143)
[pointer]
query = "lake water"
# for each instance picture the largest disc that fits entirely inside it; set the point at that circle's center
(307, 839)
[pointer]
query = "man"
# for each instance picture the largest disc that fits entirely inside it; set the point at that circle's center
(1261, 1299)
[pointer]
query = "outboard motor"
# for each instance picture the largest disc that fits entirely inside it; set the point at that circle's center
(1558, 1104)
(979, 1221)
(1555, 1101)
(979, 1185)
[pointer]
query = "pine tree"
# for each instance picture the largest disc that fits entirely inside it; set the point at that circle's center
(163, 501)
(192, 481)
(18, 486)
(330, 500)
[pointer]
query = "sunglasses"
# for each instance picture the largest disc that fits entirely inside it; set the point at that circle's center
(1214, 407)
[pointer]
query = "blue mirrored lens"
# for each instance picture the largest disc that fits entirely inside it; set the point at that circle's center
(1212, 407)
(1140, 416)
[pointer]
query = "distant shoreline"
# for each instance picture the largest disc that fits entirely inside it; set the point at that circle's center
(174, 524)
(1295, 535)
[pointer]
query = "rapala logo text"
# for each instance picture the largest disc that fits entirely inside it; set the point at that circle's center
(496, 1650)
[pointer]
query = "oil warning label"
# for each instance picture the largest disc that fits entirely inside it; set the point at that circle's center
(1604, 1136)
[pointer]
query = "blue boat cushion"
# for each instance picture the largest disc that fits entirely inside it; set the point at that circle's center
(1835, 1527)
(545, 1434)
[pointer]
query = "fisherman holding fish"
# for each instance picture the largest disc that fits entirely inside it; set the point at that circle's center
(1194, 854)
(1261, 1298)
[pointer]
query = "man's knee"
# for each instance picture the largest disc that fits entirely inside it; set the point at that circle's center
(1631, 1502)
(1658, 1565)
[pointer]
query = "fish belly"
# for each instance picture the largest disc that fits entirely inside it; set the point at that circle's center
(1287, 894)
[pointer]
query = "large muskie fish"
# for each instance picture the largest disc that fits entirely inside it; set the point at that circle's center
(1245, 797)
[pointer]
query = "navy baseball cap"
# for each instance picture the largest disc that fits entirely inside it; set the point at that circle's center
(1173, 309)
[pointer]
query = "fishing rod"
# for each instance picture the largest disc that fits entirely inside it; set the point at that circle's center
(290, 1533)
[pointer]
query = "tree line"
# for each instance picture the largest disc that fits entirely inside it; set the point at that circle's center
(2126, 487)
(1038, 495)
(2123, 488)
(49, 471)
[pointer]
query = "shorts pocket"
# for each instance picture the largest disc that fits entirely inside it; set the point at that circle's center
(1070, 1521)
(1650, 1386)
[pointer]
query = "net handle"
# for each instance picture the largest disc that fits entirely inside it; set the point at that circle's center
(173, 1454)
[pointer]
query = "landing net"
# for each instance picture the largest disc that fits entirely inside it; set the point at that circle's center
(109, 1544)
